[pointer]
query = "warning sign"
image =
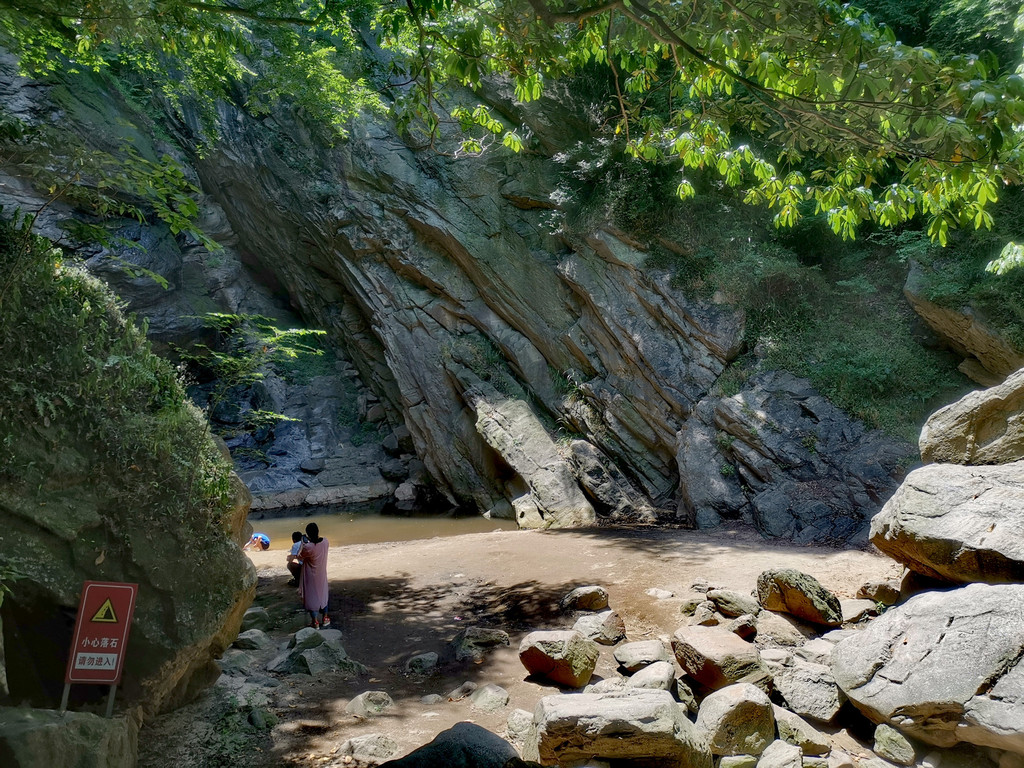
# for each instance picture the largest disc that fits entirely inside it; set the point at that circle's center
(101, 633)
(105, 615)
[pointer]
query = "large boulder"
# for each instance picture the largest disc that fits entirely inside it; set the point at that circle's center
(983, 427)
(184, 619)
(564, 657)
(793, 729)
(809, 689)
(464, 745)
(737, 720)
(661, 675)
(798, 593)
(733, 604)
(30, 738)
(781, 754)
(636, 655)
(957, 523)
(716, 657)
(589, 598)
(639, 725)
(606, 628)
(944, 667)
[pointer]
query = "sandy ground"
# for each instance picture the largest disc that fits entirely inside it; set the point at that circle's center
(392, 601)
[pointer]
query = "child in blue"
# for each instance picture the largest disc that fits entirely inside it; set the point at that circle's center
(258, 541)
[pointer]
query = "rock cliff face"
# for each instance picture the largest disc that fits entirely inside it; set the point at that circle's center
(513, 364)
(442, 282)
(780, 456)
(988, 358)
(432, 280)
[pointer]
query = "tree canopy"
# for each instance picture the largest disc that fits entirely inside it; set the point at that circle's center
(810, 106)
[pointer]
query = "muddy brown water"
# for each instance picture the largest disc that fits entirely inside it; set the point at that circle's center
(342, 528)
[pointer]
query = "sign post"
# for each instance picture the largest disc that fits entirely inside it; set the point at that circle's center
(101, 637)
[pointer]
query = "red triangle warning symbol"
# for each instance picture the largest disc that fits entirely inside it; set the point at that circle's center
(105, 615)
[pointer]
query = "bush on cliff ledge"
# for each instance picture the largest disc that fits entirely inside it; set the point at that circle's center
(78, 375)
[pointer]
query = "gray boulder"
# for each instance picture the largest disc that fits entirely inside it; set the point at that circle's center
(957, 523)
(636, 725)
(661, 676)
(253, 640)
(793, 729)
(779, 754)
(886, 592)
(944, 667)
(736, 720)
(893, 745)
(370, 704)
(520, 730)
(235, 662)
(255, 618)
(564, 657)
(982, 427)
(798, 593)
(368, 748)
(30, 738)
(606, 628)
(732, 604)
(457, 694)
(591, 598)
(636, 655)
(704, 615)
(716, 657)
(422, 663)
(473, 643)
(745, 626)
(691, 600)
(810, 690)
(857, 610)
(489, 698)
(464, 745)
(782, 629)
(315, 652)
(737, 761)
(817, 651)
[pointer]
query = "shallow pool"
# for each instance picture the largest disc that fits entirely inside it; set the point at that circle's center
(341, 527)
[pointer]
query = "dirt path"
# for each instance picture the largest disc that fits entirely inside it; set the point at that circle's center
(393, 601)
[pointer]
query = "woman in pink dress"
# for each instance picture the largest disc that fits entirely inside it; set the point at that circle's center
(314, 590)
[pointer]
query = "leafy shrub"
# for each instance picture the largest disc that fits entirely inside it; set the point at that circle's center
(79, 376)
(829, 310)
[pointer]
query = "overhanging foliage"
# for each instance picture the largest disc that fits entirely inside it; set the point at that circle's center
(809, 105)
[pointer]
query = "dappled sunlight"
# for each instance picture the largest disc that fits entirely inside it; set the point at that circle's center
(385, 621)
